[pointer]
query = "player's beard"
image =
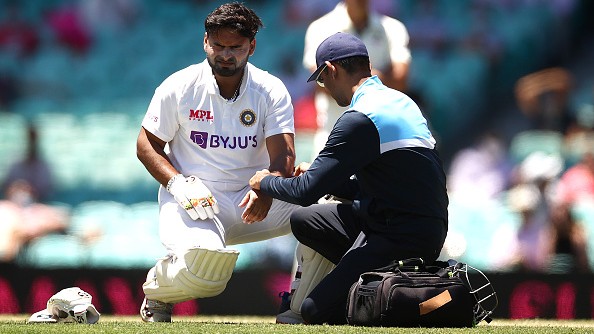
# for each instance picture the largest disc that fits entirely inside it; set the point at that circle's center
(227, 71)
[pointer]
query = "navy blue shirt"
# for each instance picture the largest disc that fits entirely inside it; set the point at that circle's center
(380, 154)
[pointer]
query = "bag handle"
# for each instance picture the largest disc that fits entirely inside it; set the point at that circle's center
(417, 264)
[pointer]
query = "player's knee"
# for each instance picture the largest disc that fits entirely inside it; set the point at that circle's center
(314, 314)
(299, 221)
(310, 313)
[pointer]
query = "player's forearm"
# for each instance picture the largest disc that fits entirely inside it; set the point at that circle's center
(159, 167)
(289, 190)
(152, 155)
(282, 166)
(281, 149)
(400, 76)
(395, 76)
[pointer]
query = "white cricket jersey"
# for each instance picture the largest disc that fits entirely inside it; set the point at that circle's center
(385, 37)
(211, 137)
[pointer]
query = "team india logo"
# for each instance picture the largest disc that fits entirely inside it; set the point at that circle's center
(247, 117)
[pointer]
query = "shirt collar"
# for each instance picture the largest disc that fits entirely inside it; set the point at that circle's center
(370, 82)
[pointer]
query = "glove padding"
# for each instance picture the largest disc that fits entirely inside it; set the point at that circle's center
(68, 305)
(194, 197)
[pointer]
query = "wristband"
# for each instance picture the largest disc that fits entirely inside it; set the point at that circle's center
(175, 177)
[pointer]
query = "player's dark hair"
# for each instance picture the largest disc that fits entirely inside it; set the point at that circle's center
(355, 64)
(236, 16)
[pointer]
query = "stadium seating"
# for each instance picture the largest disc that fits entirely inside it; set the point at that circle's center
(101, 234)
(54, 251)
(530, 141)
(584, 212)
(472, 227)
(13, 140)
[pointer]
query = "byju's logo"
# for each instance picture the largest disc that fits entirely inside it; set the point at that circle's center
(203, 140)
(201, 115)
(200, 138)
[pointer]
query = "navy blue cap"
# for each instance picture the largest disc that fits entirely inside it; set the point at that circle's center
(338, 46)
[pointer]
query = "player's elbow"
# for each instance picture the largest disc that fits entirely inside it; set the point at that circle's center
(307, 200)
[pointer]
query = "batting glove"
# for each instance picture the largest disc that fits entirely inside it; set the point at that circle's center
(68, 305)
(193, 196)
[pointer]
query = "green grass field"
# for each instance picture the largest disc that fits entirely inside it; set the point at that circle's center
(248, 324)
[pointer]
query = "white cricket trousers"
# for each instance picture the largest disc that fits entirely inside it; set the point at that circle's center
(179, 232)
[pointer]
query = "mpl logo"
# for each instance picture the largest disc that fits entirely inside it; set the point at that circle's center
(201, 115)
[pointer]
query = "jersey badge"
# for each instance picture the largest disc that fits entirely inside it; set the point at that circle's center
(247, 117)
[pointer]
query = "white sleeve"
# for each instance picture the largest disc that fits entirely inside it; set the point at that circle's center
(279, 118)
(309, 50)
(161, 116)
(398, 40)
(315, 34)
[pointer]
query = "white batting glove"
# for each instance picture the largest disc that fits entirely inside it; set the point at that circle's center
(68, 305)
(193, 196)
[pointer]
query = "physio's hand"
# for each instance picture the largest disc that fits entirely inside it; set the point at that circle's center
(301, 168)
(193, 196)
(256, 206)
(257, 178)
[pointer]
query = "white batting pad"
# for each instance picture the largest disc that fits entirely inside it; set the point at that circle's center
(314, 268)
(197, 273)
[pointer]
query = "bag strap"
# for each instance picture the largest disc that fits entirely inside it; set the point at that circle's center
(412, 264)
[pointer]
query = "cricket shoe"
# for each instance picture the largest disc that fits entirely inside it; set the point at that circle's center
(289, 317)
(285, 301)
(155, 311)
(285, 315)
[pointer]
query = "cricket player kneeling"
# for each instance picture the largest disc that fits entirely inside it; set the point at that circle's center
(197, 273)
(68, 305)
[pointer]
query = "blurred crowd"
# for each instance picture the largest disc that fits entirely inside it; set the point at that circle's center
(543, 175)
(23, 214)
(540, 172)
